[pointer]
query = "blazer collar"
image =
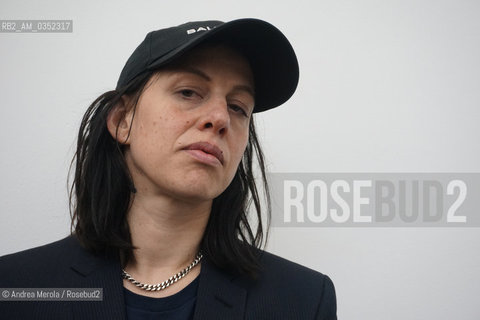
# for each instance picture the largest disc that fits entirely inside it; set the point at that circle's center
(218, 297)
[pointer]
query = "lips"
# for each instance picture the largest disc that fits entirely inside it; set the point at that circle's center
(205, 151)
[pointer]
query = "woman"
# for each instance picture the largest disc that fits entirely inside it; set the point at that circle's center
(163, 181)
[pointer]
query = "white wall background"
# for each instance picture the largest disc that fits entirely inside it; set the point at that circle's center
(386, 86)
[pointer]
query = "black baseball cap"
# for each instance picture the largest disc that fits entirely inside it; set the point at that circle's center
(271, 56)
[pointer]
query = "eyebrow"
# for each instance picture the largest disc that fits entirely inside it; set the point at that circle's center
(201, 74)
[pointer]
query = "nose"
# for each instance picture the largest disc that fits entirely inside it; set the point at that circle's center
(216, 117)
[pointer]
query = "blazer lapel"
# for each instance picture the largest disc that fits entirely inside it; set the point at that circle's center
(218, 297)
(93, 272)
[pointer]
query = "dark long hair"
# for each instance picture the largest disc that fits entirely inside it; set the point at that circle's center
(101, 194)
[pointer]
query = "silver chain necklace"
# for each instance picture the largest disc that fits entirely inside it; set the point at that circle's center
(165, 284)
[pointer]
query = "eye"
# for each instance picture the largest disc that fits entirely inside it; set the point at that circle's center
(237, 109)
(188, 93)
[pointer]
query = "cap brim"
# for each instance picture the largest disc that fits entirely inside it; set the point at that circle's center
(271, 56)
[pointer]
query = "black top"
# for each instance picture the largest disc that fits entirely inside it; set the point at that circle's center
(179, 306)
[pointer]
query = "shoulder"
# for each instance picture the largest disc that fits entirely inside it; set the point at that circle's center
(58, 247)
(46, 253)
(290, 286)
(281, 266)
(285, 273)
(24, 267)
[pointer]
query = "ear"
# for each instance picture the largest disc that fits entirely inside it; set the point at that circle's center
(119, 121)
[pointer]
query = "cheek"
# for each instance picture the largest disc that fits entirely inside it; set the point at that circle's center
(239, 149)
(156, 127)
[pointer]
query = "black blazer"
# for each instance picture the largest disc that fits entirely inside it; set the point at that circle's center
(284, 290)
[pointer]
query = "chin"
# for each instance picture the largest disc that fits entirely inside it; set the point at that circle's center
(194, 191)
(196, 195)
(204, 184)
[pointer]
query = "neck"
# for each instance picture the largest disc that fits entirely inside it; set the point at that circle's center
(167, 234)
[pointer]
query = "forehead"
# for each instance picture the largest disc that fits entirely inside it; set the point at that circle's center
(215, 58)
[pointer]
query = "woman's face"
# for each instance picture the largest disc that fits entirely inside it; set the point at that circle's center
(191, 124)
